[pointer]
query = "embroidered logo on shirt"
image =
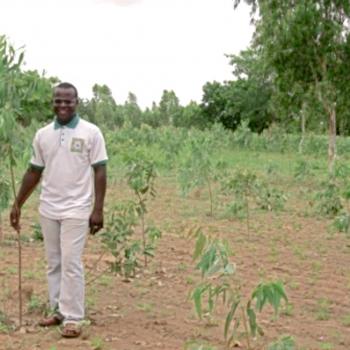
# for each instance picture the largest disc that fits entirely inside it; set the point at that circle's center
(77, 145)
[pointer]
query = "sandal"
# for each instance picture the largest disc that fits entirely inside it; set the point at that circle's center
(54, 320)
(71, 330)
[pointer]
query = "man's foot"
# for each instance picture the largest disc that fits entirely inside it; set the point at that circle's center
(53, 320)
(71, 330)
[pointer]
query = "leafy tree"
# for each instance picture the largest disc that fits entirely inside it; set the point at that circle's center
(191, 116)
(102, 107)
(244, 99)
(152, 116)
(131, 111)
(169, 107)
(35, 105)
(308, 45)
(217, 106)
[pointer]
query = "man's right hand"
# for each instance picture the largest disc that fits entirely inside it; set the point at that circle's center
(15, 216)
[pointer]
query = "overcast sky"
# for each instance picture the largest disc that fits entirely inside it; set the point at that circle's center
(142, 46)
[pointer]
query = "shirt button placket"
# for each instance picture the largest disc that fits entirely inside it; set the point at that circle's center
(62, 136)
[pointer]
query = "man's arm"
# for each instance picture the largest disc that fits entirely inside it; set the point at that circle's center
(30, 180)
(96, 218)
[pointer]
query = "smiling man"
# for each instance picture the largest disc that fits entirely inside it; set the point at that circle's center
(69, 155)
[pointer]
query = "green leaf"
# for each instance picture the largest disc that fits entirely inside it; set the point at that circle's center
(230, 316)
(252, 320)
(200, 244)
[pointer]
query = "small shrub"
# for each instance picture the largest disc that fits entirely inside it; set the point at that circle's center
(284, 343)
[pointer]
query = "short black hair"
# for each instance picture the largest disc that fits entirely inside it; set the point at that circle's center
(67, 86)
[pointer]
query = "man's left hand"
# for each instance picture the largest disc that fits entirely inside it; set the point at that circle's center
(96, 221)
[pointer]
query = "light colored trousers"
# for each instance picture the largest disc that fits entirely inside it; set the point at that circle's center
(64, 243)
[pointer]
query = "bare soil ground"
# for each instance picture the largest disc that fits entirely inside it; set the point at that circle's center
(153, 311)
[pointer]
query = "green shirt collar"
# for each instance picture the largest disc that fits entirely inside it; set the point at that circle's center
(72, 124)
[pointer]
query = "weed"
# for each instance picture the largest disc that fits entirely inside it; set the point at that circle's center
(284, 343)
(346, 320)
(302, 170)
(97, 343)
(322, 310)
(316, 267)
(342, 223)
(5, 325)
(11, 270)
(37, 234)
(105, 280)
(328, 199)
(35, 304)
(146, 307)
(198, 345)
(287, 310)
(182, 266)
(190, 280)
(294, 285)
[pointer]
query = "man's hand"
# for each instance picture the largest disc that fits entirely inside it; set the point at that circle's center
(15, 216)
(96, 221)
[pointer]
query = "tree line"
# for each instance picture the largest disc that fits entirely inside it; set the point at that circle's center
(295, 74)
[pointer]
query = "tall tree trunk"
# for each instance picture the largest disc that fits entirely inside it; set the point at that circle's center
(1, 232)
(303, 122)
(329, 105)
(332, 136)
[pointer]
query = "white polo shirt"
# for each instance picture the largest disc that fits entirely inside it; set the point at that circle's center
(67, 154)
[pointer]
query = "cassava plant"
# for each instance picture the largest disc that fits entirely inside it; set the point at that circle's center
(141, 175)
(248, 189)
(213, 260)
(328, 199)
(199, 168)
(342, 220)
(10, 98)
(241, 184)
(118, 238)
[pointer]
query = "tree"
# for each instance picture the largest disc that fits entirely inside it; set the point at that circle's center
(36, 104)
(307, 44)
(232, 102)
(169, 107)
(190, 116)
(132, 112)
(217, 105)
(103, 107)
(252, 88)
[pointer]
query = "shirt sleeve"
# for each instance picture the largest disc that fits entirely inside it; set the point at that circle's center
(98, 153)
(37, 160)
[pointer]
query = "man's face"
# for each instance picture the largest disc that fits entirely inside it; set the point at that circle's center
(64, 104)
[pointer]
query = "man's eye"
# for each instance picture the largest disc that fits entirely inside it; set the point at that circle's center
(59, 101)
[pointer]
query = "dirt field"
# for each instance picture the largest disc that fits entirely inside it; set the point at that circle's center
(153, 311)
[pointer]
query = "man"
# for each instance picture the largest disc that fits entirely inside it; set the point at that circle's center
(69, 155)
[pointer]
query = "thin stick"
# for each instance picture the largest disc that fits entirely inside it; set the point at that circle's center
(1, 232)
(143, 229)
(18, 240)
